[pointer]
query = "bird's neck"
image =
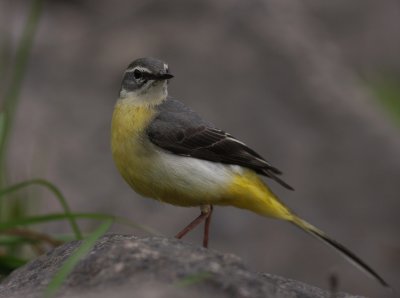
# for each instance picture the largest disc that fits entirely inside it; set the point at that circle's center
(150, 97)
(131, 117)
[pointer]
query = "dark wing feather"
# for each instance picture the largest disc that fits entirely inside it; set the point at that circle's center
(181, 131)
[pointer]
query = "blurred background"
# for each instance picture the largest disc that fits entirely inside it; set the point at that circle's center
(313, 86)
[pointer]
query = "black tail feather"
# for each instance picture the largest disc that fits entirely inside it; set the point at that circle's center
(271, 175)
(349, 255)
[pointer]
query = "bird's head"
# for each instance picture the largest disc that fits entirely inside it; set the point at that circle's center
(145, 81)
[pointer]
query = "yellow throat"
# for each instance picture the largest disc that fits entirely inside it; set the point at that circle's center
(128, 143)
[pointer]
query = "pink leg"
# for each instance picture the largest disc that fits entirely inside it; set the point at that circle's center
(207, 227)
(205, 214)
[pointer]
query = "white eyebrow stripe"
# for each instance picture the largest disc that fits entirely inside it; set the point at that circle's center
(143, 69)
(165, 66)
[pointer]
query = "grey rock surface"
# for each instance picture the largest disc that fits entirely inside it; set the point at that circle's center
(127, 266)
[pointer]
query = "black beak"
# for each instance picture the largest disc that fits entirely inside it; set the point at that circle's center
(165, 76)
(159, 77)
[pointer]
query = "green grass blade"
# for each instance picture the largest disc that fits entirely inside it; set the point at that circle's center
(10, 240)
(193, 279)
(2, 123)
(6, 240)
(5, 58)
(2, 172)
(40, 219)
(387, 91)
(3, 136)
(9, 263)
(55, 191)
(87, 244)
(21, 62)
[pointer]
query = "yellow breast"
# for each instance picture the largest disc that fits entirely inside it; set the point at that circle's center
(129, 144)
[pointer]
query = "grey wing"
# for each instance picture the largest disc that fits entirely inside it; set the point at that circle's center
(181, 131)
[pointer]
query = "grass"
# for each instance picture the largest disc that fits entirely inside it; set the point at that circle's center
(54, 190)
(19, 240)
(10, 101)
(59, 278)
(13, 249)
(387, 91)
(193, 279)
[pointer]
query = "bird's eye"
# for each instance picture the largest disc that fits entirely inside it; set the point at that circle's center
(137, 74)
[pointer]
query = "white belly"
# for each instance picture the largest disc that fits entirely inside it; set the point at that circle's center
(192, 174)
(179, 180)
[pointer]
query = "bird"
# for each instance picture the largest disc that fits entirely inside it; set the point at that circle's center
(166, 151)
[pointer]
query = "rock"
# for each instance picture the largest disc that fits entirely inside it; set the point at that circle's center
(127, 266)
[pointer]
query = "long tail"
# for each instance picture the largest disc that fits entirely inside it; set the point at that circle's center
(249, 192)
(350, 256)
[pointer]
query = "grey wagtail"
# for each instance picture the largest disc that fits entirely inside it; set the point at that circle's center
(166, 151)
